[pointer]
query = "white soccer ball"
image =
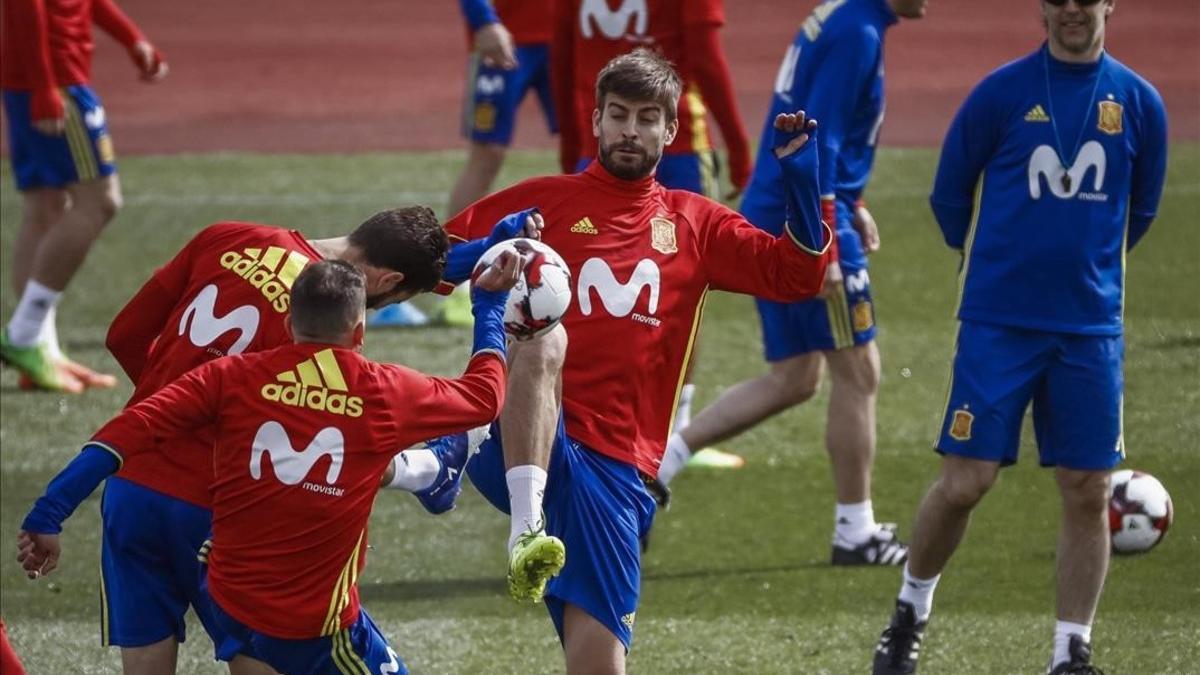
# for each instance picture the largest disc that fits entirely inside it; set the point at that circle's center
(541, 296)
(1139, 511)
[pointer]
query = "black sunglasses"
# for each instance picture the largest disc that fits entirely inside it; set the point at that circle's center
(1081, 3)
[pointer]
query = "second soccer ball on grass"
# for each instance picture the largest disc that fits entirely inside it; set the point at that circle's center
(541, 297)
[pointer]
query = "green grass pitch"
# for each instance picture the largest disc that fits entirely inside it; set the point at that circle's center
(736, 579)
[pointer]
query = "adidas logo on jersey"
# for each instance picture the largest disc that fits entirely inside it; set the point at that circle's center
(269, 271)
(315, 383)
(1037, 114)
(584, 226)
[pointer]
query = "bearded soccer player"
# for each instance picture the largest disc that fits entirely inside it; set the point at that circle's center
(63, 162)
(585, 424)
(687, 33)
(289, 533)
(1050, 173)
(228, 291)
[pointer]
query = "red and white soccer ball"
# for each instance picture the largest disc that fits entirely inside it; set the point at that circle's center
(541, 297)
(1139, 511)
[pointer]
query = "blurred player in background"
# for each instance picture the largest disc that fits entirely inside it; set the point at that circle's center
(10, 664)
(584, 426)
(588, 33)
(1051, 171)
(228, 291)
(834, 71)
(63, 160)
(510, 57)
(289, 544)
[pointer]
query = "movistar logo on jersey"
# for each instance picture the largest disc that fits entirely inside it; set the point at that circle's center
(613, 23)
(1044, 166)
(315, 383)
(203, 327)
(1037, 114)
(270, 271)
(291, 466)
(619, 299)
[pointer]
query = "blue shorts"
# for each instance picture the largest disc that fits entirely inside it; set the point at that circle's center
(600, 509)
(84, 153)
(694, 172)
(494, 95)
(360, 649)
(1074, 381)
(845, 319)
(149, 571)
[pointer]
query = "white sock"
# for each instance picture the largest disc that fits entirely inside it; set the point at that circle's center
(526, 487)
(855, 523)
(1063, 630)
(919, 592)
(415, 469)
(26, 324)
(49, 334)
(683, 411)
(677, 455)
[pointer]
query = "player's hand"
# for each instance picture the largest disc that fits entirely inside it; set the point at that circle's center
(502, 274)
(37, 553)
(151, 64)
(864, 224)
(833, 280)
(534, 225)
(792, 131)
(527, 223)
(495, 45)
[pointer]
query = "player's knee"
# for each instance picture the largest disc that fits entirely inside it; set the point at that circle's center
(1083, 491)
(796, 380)
(542, 356)
(963, 483)
(98, 203)
(488, 156)
(857, 368)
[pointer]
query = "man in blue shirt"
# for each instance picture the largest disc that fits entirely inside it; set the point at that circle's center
(1051, 171)
(833, 70)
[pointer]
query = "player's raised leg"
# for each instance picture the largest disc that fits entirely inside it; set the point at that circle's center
(528, 425)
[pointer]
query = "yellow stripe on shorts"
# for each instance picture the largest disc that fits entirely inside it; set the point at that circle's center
(344, 656)
(79, 142)
(839, 319)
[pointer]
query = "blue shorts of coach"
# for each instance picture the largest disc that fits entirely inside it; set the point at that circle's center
(1074, 383)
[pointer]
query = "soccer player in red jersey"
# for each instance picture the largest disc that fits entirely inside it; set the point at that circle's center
(289, 535)
(228, 291)
(585, 424)
(63, 161)
(588, 33)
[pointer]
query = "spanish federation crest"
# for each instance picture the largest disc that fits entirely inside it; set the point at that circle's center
(662, 235)
(960, 427)
(1111, 118)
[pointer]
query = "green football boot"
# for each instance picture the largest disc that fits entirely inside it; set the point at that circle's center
(534, 559)
(37, 363)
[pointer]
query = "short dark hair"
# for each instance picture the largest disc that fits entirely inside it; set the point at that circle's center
(328, 299)
(409, 240)
(641, 75)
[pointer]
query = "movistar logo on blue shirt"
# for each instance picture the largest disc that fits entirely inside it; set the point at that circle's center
(1044, 165)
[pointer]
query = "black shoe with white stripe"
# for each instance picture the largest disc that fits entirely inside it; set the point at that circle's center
(900, 645)
(883, 548)
(1081, 659)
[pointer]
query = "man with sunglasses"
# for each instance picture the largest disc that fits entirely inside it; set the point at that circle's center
(1050, 172)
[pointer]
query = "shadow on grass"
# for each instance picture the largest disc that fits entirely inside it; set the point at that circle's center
(418, 589)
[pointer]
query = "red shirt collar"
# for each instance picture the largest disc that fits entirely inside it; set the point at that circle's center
(641, 187)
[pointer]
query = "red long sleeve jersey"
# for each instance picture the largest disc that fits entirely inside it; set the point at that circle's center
(304, 433)
(590, 34)
(642, 258)
(226, 292)
(48, 43)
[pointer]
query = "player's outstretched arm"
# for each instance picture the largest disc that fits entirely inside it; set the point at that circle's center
(798, 160)
(151, 64)
(460, 262)
(37, 543)
(491, 39)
